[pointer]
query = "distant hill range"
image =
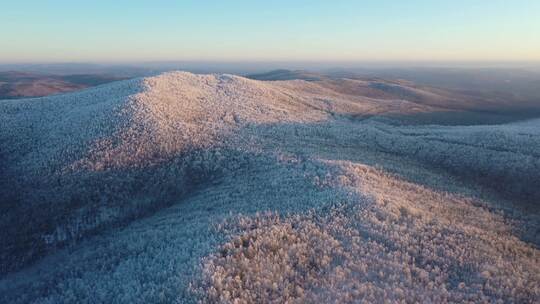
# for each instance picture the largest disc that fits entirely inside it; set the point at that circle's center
(486, 92)
(510, 83)
(283, 74)
(14, 84)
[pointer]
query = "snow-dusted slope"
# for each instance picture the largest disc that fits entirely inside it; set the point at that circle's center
(146, 180)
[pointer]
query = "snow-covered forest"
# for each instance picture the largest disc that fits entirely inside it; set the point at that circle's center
(184, 188)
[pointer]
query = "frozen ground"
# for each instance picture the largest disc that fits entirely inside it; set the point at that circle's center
(216, 188)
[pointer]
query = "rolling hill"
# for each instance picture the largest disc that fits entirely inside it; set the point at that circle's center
(480, 95)
(223, 189)
(14, 84)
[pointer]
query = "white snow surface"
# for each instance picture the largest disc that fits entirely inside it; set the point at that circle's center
(184, 188)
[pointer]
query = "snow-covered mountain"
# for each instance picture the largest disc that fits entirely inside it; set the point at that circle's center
(216, 188)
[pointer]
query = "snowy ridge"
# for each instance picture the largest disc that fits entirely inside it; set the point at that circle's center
(220, 189)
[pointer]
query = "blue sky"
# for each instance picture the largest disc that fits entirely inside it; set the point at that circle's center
(413, 30)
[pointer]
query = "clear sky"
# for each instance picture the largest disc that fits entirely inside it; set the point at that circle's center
(378, 30)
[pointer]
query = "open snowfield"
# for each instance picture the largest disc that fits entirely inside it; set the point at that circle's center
(184, 188)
